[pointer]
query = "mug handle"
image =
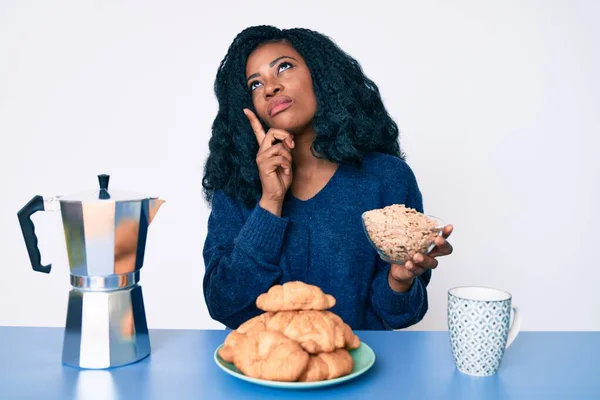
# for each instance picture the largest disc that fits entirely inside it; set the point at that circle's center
(515, 327)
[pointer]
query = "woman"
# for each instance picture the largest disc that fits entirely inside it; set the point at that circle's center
(301, 146)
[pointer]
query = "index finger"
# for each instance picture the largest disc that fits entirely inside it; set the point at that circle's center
(259, 132)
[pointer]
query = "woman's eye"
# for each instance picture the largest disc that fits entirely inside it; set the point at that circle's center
(280, 68)
(254, 85)
(283, 66)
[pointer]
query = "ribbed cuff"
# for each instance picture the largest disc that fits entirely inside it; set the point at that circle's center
(263, 232)
(391, 302)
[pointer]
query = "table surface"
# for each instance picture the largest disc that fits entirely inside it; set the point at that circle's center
(409, 365)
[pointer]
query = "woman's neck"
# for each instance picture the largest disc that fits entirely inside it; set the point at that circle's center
(304, 162)
(301, 153)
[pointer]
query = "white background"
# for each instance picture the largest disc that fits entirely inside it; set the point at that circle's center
(499, 107)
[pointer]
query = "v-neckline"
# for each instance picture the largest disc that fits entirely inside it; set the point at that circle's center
(327, 185)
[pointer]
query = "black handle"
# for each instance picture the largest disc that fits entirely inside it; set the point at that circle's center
(35, 204)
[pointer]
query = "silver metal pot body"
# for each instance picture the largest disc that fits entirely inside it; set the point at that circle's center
(105, 236)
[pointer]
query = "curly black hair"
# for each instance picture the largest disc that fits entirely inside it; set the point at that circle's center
(350, 120)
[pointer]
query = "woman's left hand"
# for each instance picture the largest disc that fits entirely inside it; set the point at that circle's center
(402, 276)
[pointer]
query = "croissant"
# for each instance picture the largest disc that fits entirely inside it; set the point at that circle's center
(255, 324)
(351, 340)
(327, 366)
(316, 331)
(296, 338)
(294, 295)
(270, 355)
(229, 345)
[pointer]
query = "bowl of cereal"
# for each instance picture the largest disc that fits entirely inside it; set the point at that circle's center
(398, 232)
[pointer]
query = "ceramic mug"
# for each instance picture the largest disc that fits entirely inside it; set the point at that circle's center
(480, 329)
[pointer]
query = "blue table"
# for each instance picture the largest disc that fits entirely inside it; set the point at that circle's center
(409, 365)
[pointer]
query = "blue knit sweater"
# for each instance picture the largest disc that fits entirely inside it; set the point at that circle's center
(319, 241)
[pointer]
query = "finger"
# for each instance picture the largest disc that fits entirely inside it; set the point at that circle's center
(276, 150)
(259, 132)
(443, 249)
(424, 261)
(284, 136)
(439, 241)
(402, 272)
(269, 141)
(413, 269)
(447, 231)
(278, 161)
(270, 164)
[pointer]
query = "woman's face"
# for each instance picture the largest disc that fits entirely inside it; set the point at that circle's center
(281, 87)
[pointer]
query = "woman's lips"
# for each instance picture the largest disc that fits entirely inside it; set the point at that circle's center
(278, 105)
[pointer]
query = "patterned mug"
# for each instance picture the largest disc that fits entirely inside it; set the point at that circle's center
(480, 329)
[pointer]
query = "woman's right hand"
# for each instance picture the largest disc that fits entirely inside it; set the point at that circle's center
(274, 162)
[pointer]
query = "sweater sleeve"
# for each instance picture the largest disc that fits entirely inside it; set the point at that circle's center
(400, 310)
(241, 259)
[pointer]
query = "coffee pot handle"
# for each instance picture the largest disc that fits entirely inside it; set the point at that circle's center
(34, 205)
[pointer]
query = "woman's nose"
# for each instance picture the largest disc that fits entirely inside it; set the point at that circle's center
(273, 89)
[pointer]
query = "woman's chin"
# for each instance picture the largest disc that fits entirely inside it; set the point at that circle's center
(289, 124)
